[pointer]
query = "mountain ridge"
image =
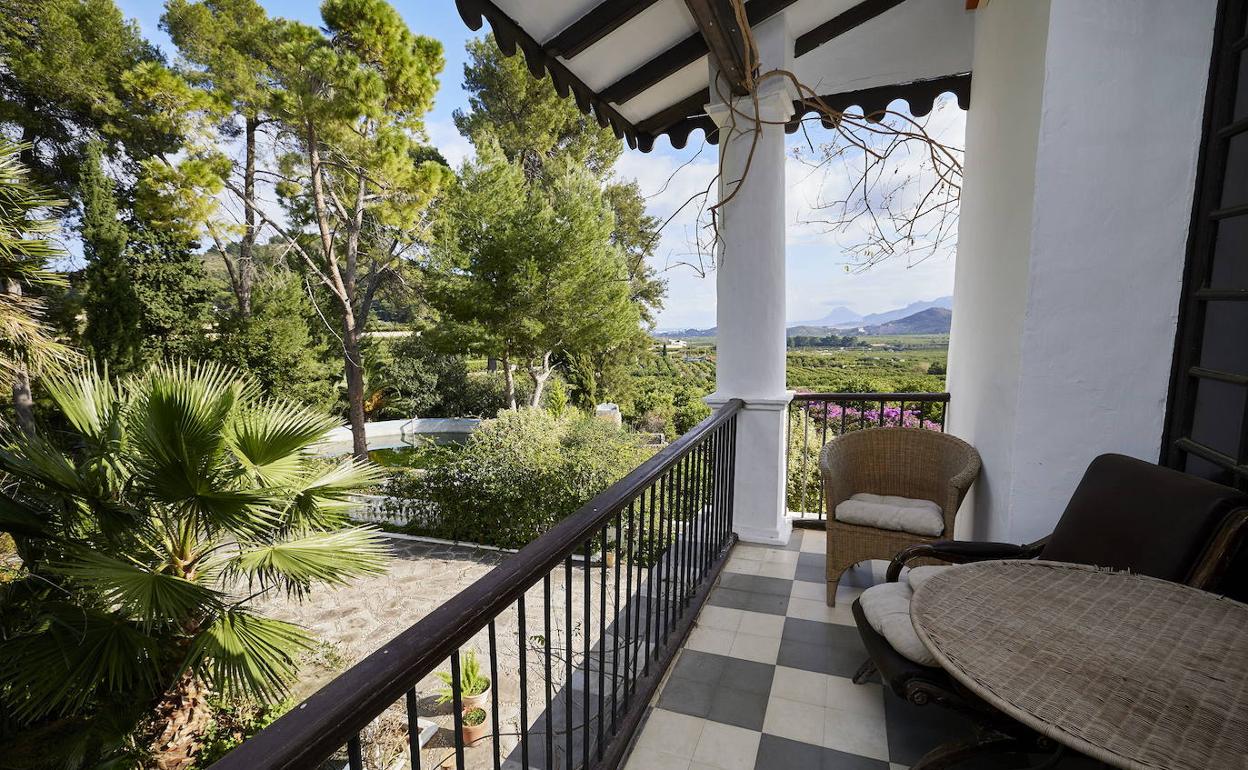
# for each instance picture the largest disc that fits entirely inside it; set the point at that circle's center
(842, 318)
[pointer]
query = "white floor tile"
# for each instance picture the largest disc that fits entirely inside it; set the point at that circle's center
(802, 686)
(795, 721)
(814, 541)
(711, 640)
(779, 556)
(895, 766)
(855, 733)
(722, 618)
(819, 611)
(760, 649)
(776, 569)
(813, 591)
(727, 747)
(761, 624)
(742, 565)
(671, 733)
(643, 758)
(749, 552)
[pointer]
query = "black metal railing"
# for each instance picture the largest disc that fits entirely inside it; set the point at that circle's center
(633, 566)
(816, 417)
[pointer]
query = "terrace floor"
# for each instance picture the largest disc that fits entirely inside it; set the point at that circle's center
(764, 679)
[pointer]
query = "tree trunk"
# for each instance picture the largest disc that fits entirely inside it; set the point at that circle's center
(509, 379)
(182, 715)
(246, 245)
(540, 376)
(354, 367)
(23, 401)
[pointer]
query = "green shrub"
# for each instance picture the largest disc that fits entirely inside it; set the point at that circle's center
(517, 476)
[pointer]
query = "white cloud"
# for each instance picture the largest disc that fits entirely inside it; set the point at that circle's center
(453, 146)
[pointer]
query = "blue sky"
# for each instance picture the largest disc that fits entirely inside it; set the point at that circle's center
(817, 274)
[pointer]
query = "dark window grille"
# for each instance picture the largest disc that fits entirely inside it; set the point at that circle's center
(663, 533)
(1207, 416)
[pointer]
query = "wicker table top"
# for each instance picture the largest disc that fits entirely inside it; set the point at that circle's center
(1133, 671)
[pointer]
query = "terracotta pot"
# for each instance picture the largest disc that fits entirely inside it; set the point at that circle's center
(474, 733)
(480, 700)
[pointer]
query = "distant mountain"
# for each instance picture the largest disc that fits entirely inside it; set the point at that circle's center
(844, 318)
(836, 317)
(874, 319)
(933, 320)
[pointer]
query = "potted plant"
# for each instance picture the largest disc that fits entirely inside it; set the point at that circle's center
(474, 687)
(476, 724)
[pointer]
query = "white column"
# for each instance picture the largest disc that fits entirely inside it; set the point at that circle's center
(750, 305)
(1081, 153)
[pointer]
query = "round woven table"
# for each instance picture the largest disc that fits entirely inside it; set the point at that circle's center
(1130, 670)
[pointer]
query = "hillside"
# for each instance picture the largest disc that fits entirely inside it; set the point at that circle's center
(934, 320)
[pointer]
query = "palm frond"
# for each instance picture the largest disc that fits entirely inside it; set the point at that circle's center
(150, 596)
(301, 561)
(246, 653)
(270, 437)
(325, 498)
(89, 400)
(75, 655)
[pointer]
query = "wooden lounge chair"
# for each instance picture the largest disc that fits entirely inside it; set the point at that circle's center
(1125, 514)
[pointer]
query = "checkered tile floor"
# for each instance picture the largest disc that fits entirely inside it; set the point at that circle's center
(764, 678)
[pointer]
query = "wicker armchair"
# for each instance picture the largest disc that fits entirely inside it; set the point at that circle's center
(910, 462)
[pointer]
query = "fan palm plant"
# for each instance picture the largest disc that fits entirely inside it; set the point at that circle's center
(27, 245)
(184, 497)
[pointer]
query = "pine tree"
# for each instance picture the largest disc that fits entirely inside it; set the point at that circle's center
(112, 335)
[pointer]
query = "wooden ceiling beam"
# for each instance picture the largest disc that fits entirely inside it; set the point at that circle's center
(726, 41)
(600, 21)
(842, 23)
(681, 55)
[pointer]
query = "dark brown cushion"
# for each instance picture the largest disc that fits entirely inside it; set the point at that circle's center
(1131, 515)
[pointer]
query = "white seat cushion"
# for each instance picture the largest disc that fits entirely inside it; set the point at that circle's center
(901, 514)
(887, 608)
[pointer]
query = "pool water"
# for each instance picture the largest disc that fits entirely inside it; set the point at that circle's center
(415, 452)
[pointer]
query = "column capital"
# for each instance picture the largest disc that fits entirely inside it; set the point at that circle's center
(775, 104)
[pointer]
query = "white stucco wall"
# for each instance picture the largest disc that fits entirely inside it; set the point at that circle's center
(1084, 322)
(994, 245)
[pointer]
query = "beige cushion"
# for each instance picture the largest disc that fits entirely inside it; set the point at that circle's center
(901, 514)
(887, 608)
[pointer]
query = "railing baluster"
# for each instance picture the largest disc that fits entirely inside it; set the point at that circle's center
(669, 551)
(493, 716)
(523, 641)
(602, 640)
(823, 441)
(615, 624)
(355, 755)
(631, 605)
(805, 456)
(550, 722)
(585, 621)
(650, 560)
(567, 659)
(457, 704)
(413, 726)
